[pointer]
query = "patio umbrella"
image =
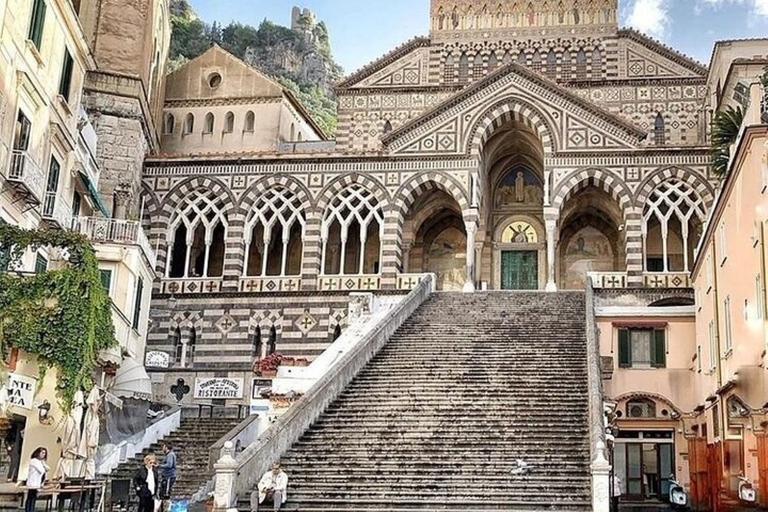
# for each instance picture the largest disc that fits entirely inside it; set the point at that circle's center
(89, 442)
(70, 440)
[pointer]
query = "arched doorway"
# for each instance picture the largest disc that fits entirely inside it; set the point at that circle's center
(435, 232)
(514, 255)
(590, 237)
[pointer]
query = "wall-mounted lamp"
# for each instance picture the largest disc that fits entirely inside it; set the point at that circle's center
(43, 411)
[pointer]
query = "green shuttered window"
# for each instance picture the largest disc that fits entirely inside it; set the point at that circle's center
(642, 348)
(37, 22)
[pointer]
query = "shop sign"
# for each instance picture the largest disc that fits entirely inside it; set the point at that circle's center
(21, 390)
(218, 388)
(157, 360)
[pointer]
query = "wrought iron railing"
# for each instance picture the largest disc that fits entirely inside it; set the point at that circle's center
(25, 171)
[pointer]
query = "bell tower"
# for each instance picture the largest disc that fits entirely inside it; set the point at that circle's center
(468, 19)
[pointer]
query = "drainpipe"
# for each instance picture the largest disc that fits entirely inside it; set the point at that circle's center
(763, 310)
(722, 409)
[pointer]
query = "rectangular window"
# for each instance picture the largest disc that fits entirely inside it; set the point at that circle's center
(759, 301)
(137, 303)
(106, 280)
(710, 277)
(712, 346)
(76, 204)
(642, 348)
(52, 186)
(65, 83)
(36, 23)
(728, 327)
(721, 241)
(41, 264)
(22, 132)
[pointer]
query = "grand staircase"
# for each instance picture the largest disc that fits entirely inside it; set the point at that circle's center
(191, 442)
(468, 385)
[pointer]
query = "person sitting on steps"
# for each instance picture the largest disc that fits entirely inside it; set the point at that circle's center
(273, 486)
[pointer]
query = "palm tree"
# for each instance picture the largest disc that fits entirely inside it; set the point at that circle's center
(725, 130)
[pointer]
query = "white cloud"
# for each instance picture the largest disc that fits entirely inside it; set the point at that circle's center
(652, 16)
(756, 7)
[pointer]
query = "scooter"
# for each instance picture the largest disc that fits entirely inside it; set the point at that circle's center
(678, 498)
(747, 493)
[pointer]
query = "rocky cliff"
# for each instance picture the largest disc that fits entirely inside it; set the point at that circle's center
(299, 57)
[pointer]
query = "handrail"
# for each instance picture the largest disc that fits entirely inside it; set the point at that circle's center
(594, 376)
(287, 430)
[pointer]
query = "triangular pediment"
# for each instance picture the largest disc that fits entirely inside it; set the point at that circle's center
(565, 121)
(405, 66)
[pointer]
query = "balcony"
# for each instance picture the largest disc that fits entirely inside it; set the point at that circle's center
(56, 211)
(115, 231)
(26, 177)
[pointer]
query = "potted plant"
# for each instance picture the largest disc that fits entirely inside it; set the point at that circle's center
(268, 366)
(288, 361)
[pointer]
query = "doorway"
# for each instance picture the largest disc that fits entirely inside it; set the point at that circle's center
(645, 464)
(520, 270)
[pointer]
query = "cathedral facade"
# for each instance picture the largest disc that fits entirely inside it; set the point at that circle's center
(516, 147)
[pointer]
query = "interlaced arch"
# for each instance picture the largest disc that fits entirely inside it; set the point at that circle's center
(274, 230)
(197, 231)
(351, 231)
(677, 210)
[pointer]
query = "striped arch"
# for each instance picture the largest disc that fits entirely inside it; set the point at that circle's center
(640, 395)
(186, 322)
(151, 211)
(280, 180)
(702, 187)
(596, 177)
(335, 187)
(503, 111)
(185, 188)
(407, 194)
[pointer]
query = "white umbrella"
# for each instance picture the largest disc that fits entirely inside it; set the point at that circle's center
(70, 440)
(89, 442)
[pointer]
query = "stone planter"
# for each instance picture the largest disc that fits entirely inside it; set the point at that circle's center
(302, 362)
(288, 361)
(268, 373)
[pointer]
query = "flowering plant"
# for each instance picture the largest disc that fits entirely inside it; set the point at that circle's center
(270, 363)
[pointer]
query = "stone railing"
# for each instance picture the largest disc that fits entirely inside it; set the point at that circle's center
(608, 280)
(25, 172)
(115, 231)
(350, 283)
(270, 284)
(191, 285)
(242, 436)
(600, 466)
(109, 456)
(234, 478)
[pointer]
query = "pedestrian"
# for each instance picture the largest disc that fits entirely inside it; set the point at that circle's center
(36, 477)
(273, 487)
(616, 493)
(147, 483)
(168, 468)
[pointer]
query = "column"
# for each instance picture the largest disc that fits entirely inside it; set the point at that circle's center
(313, 252)
(391, 237)
(551, 225)
(633, 239)
(234, 253)
(547, 190)
(469, 285)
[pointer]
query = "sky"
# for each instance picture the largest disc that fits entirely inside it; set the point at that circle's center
(363, 30)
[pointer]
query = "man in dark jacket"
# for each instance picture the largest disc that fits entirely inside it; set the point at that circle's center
(147, 484)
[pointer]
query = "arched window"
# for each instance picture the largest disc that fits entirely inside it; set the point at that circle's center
(581, 65)
(191, 345)
(293, 132)
(672, 220)
(256, 344)
(208, 126)
(272, 344)
(387, 127)
(170, 124)
(189, 123)
(522, 58)
(448, 71)
(178, 346)
(274, 231)
(597, 63)
(659, 134)
(250, 120)
(229, 123)
(552, 64)
(641, 408)
(337, 332)
(299, 137)
(493, 62)
(463, 68)
(351, 232)
(198, 231)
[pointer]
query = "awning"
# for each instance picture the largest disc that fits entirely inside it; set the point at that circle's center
(93, 192)
(132, 381)
(113, 355)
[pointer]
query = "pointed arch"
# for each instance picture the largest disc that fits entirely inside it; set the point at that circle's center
(229, 122)
(189, 123)
(170, 124)
(510, 108)
(250, 121)
(209, 122)
(694, 179)
(412, 189)
(659, 132)
(600, 178)
(335, 187)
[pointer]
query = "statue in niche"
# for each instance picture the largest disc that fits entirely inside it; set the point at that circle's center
(455, 18)
(531, 15)
(520, 187)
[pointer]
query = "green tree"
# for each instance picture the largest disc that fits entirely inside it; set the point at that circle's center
(725, 130)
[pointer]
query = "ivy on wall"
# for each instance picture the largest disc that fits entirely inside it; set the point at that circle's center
(63, 315)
